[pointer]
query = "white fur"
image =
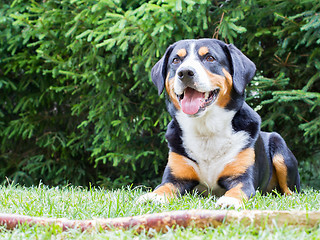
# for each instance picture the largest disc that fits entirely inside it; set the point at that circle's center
(202, 83)
(226, 202)
(210, 140)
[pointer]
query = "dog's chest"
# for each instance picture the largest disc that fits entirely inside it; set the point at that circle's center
(211, 142)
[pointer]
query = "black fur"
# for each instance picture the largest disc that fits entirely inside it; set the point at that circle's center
(265, 145)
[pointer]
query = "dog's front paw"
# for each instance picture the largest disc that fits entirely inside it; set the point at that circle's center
(228, 202)
(152, 197)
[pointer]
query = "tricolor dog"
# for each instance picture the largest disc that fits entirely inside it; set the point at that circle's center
(214, 138)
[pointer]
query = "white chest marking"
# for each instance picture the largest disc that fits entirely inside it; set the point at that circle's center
(211, 142)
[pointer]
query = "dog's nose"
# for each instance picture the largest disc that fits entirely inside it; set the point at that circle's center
(186, 73)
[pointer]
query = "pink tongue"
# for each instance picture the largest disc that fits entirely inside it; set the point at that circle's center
(191, 101)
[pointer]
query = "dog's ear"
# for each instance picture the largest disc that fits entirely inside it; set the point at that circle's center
(159, 70)
(243, 69)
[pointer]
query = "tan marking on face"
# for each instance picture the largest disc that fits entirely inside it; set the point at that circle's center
(225, 85)
(203, 51)
(171, 93)
(168, 190)
(180, 167)
(182, 52)
(239, 166)
(236, 192)
(282, 173)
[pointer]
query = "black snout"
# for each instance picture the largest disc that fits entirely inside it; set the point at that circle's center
(186, 73)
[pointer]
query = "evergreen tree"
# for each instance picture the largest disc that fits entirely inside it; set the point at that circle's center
(77, 103)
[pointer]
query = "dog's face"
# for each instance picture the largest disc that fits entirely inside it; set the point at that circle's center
(200, 73)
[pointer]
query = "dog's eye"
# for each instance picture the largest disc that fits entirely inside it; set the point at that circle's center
(210, 58)
(176, 61)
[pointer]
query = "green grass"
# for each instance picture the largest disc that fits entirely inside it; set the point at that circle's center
(79, 203)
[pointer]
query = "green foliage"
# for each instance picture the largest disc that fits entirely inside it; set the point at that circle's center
(77, 103)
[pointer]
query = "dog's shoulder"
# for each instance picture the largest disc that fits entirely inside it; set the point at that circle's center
(246, 119)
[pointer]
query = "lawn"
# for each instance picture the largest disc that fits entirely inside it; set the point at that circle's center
(83, 203)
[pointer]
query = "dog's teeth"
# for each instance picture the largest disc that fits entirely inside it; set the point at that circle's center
(180, 96)
(206, 95)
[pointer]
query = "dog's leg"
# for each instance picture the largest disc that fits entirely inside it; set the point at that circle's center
(237, 179)
(285, 165)
(178, 178)
(163, 193)
(234, 197)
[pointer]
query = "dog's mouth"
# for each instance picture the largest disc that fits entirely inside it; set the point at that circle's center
(192, 101)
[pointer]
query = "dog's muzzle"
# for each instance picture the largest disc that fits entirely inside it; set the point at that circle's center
(187, 76)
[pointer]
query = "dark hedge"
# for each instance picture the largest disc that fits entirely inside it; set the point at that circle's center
(77, 104)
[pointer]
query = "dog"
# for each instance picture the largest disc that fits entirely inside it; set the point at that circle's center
(214, 138)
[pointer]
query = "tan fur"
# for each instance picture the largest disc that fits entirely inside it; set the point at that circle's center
(170, 91)
(180, 168)
(182, 52)
(239, 166)
(167, 190)
(236, 192)
(282, 173)
(203, 51)
(225, 85)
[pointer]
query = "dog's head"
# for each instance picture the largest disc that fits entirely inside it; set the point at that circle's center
(201, 73)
